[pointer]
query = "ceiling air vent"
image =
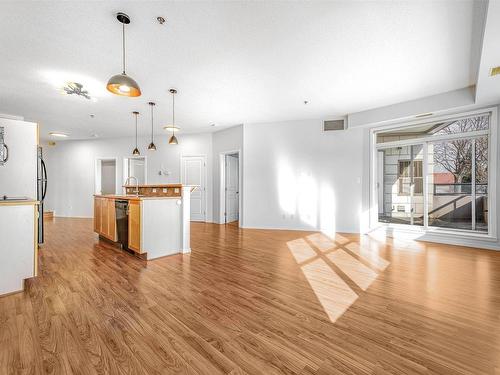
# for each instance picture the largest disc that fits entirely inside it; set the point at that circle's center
(330, 125)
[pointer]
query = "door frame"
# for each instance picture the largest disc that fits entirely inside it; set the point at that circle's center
(125, 168)
(222, 185)
(97, 173)
(181, 175)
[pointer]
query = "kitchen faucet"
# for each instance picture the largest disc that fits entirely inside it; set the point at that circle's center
(127, 181)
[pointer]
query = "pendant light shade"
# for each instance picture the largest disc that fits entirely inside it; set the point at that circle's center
(152, 145)
(122, 84)
(136, 150)
(173, 139)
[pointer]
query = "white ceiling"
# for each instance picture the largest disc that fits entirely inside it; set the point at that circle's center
(232, 62)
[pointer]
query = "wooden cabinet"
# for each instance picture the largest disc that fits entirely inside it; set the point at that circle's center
(105, 218)
(134, 226)
(97, 214)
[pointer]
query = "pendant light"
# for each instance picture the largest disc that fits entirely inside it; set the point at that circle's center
(152, 145)
(122, 84)
(136, 150)
(173, 139)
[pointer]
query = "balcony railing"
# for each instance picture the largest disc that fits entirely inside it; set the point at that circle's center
(459, 189)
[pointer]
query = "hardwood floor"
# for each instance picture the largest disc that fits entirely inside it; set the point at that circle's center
(257, 302)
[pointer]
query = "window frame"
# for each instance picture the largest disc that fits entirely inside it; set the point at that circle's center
(411, 176)
(449, 233)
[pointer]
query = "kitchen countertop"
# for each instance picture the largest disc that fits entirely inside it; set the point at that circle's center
(23, 202)
(131, 197)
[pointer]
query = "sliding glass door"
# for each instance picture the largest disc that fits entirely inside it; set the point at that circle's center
(435, 175)
(402, 185)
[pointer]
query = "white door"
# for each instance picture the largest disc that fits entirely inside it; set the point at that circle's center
(232, 188)
(193, 173)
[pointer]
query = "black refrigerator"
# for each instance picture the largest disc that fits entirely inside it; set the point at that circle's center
(41, 191)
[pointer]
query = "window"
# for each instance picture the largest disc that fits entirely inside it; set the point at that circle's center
(410, 176)
(436, 175)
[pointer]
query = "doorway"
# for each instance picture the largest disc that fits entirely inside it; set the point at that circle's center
(105, 176)
(230, 187)
(193, 172)
(135, 166)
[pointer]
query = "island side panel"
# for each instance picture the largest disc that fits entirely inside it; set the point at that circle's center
(161, 227)
(186, 219)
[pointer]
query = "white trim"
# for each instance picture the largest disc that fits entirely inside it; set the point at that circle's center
(433, 139)
(222, 185)
(444, 235)
(204, 157)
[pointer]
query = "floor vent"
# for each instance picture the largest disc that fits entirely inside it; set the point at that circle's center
(331, 125)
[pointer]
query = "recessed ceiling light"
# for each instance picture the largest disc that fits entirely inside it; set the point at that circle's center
(58, 134)
(171, 128)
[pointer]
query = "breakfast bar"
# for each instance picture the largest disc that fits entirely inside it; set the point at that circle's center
(152, 221)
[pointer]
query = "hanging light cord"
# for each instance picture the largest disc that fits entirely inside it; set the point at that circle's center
(173, 113)
(152, 135)
(123, 44)
(136, 130)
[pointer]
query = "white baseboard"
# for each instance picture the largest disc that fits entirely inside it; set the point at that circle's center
(72, 216)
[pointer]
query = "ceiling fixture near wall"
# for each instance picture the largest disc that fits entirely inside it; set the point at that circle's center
(152, 145)
(173, 139)
(122, 84)
(75, 88)
(58, 134)
(136, 150)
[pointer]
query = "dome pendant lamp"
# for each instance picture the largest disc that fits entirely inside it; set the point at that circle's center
(136, 150)
(173, 139)
(122, 84)
(152, 145)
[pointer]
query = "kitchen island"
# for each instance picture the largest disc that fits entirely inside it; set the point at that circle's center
(157, 219)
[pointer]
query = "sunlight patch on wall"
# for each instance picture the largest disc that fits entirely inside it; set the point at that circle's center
(287, 187)
(308, 199)
(327, 210)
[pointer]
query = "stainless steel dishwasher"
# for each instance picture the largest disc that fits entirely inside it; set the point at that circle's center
(121, 209)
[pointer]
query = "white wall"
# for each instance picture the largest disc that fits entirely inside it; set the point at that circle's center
(298, 177)
(71, 165)
(225, 140)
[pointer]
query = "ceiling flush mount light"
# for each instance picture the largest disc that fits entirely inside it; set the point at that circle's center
(171, 128)
(136, 150)
(173, 139)
(75, 88)
(122, 84)
(152, 145)
(58, 134)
